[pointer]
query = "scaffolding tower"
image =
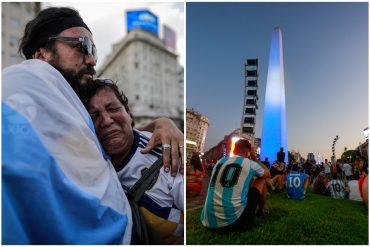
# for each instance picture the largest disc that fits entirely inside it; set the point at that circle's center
(250, 97)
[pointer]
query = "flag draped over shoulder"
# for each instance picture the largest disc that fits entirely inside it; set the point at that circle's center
(57, 188)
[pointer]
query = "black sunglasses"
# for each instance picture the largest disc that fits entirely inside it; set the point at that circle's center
(88, 47)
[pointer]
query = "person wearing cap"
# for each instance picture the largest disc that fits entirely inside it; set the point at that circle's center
(58, 185)
(162, 204)
(296, 183)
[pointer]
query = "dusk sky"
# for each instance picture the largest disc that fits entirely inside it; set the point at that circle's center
(325, 49)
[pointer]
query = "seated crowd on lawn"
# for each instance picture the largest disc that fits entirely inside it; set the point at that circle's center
(340, 179)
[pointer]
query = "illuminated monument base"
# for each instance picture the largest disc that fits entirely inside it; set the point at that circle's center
(274, 135)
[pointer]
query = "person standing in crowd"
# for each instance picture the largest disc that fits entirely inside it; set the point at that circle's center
(327, 169)
(281, 155)
(233, 195)
(59, 187)
(347, 169)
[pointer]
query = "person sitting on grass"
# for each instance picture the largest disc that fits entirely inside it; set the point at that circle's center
(194, 176)
(233, 195)
(336, 188)
(320, 184)
(277, 176)
(296, 183)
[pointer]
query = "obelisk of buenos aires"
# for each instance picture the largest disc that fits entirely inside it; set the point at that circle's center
(274, 134)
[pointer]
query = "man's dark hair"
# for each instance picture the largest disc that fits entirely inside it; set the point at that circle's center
(96, 85)
(39, 29)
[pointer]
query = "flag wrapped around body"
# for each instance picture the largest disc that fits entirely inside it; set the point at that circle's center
(57, 186)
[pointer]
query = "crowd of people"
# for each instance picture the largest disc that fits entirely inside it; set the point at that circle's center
(237, 176)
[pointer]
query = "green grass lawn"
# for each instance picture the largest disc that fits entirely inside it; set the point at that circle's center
(314, 220)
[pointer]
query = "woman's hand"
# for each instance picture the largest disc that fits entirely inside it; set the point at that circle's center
(165, 132)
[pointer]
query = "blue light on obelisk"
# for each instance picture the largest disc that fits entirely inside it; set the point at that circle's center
(274, 135)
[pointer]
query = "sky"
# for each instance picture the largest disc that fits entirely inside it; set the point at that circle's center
(325, 50)
(107, 22)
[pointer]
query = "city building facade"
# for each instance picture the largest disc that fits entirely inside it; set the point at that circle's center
(147, 72)
(196, 131)
(14, 17)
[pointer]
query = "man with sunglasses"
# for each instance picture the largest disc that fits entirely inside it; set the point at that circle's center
(59, 187)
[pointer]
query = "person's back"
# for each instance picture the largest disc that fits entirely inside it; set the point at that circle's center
(228, 189)
(337, 188)
(347, 168)
(295, 184)
(327, 169)
(320, 184)
(280, 155)
(307, 167)
(354, 191)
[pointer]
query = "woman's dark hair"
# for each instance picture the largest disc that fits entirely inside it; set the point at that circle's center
(196, 162)
(38, 30)
(97, 85)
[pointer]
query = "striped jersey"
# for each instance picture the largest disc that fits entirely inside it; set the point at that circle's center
(163, 203)
(294, 185)
(336, 187)
(228, 190)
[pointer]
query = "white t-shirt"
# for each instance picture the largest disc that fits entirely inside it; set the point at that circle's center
(354, 190)
(347, 168)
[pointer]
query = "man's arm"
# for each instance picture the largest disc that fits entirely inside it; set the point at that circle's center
(165, 132)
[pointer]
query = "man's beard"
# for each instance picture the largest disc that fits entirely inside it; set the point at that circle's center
(74, 79)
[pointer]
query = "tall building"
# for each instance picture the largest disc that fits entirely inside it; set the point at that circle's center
(310, 156)
(14, 17)
(274, 134)
(147, 72)
(250, 97)
(196, 131)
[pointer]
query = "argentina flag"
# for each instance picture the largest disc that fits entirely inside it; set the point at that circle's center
(57, 187)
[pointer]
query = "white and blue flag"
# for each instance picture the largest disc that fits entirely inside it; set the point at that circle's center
(57, 187)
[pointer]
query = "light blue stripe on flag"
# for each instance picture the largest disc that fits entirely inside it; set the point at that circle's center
(40, 204)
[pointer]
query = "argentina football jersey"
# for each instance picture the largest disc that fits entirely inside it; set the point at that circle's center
(294, 184)
(228, 189)
(336, 187)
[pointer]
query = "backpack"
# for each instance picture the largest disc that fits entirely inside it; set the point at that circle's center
(144, 232)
